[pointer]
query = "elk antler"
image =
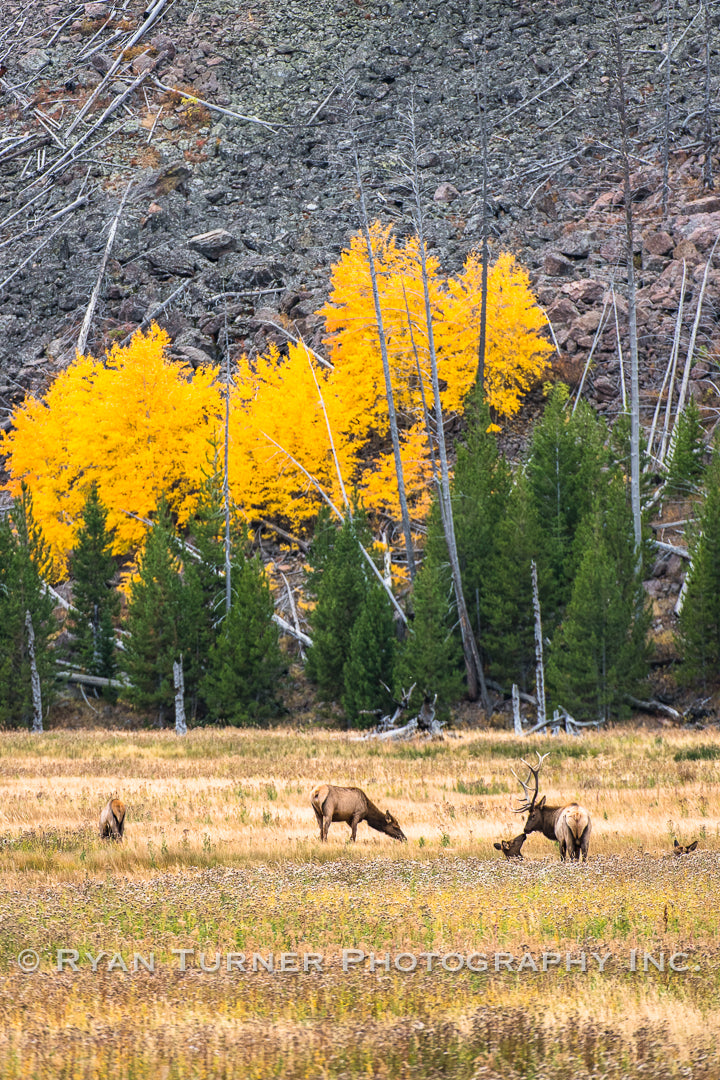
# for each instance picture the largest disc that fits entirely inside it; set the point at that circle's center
(528, 805)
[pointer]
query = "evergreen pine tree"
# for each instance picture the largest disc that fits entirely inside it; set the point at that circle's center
(95, 601)
(340, 582)
(687, 458)
(164, 612)
(371, 660)
(507, 606)
(208, 537)
(564, 468)
(600, 654)
(699, 630)
(431, 656)
(244, 661)
(481, 488)
(23, 559)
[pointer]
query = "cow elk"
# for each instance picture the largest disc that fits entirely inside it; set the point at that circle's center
(112, 820)
(351, 805)
(570, 824)
(684, 849)
(511, 848)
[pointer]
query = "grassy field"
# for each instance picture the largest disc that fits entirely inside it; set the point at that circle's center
(221, 857)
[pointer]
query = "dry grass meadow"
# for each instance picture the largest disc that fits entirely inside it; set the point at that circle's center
(221, 856)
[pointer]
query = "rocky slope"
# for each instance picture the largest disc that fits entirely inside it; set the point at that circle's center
(281, 191)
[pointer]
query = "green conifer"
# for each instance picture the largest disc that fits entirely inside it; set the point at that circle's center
(431, 656)
(371, 660)
(244, 661)
(95, 600)
(340, 581)
(164, 613)
(687, 458)
(23, 560)
(508, 630)
(699, 630)
(565, 463)
(480, 492)
(599, 654)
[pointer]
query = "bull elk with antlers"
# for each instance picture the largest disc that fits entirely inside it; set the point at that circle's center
(570, 825)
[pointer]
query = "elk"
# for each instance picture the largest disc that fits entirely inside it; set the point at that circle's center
(112, 820)
(684, 849)
(511, 848)
(351, 805)
(570, 824)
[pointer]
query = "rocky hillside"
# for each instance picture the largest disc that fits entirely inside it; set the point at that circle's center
(264, 166)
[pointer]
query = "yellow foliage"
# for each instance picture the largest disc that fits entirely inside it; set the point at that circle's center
(140, 425)
(280, 401)
(135, 424)
(515, 355)
(276, 416)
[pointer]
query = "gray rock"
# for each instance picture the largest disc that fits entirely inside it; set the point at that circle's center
(213, 244)
(557, 265)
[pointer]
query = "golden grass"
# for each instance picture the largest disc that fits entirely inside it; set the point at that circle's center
(221, 856)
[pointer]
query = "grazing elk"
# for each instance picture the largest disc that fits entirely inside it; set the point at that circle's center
(570, 825)
(351, 805)
(112, 820)
(511, 848)
(684, 849)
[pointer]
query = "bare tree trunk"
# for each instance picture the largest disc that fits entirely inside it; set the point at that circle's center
(666, 124)
(517, 720)
(693, 335)
(539, 663)
(632, 307)
(481, 101)
(473, 664)
(226, 476)
(673, 368)
(37, 724)
(707, 132)
(87, 321)
(405, 516)
(179, 680)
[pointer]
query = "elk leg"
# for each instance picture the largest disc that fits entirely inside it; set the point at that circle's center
(354, 822)
(563, 851)
(327, 822)
(319, 819)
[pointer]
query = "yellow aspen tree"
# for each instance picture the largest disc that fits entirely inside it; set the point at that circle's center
(136, 424)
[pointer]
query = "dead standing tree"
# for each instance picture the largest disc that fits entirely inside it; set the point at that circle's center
(630, 262)
(382, 339)
(477, 687)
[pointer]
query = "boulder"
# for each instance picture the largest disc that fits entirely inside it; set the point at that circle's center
(686, 250)
(587, 291)
(446, 192)
(213, 244)
(557, 265)
(658, 243)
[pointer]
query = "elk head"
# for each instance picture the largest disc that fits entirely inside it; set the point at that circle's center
(684, 849)
(511, 848)
(529, 804)
(392, 828)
